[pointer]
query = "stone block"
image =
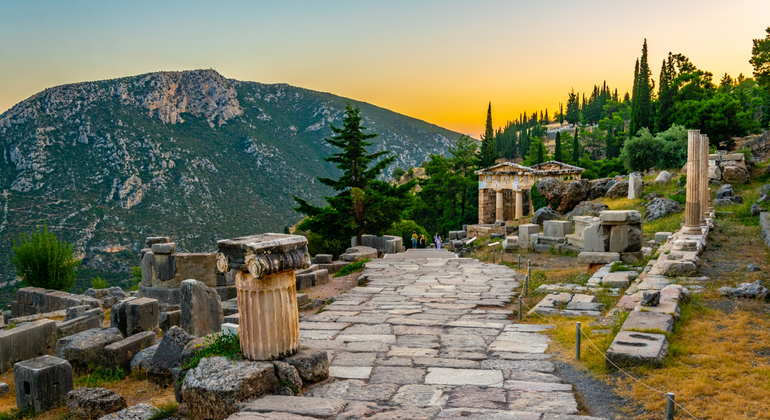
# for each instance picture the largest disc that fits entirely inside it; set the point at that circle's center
(619, 217)
(86, 349)
(141, 411)
(169, 319)
(557, 228)
(662, 237)
(649, 322)
(27, 341)
(322, 259)
(598, 257)
(163, 267)
(233, 319)
(626, 238)
(526, 230)
(75, 311)
(142, 359)
(479, 377)
(151, 240)
(630, 348)
(304, 281)
(201, 309)
(616, 280)
(635, 185)
(82, 323)
(41, 383)
(118, 317)
(94, 403)
(121, 353)
(168, 356)
(217, 387)
(596, 238)
(142, 315)
(320, 277)
(164, 248)
(511, 243)
(307, 407)
(311, 364)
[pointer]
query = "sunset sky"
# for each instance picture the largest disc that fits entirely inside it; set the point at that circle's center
(440, 61)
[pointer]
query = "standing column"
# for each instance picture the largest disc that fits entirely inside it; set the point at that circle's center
(704, 178)
(482, 205)
(692, 208)
(499, 206)
(519, 205)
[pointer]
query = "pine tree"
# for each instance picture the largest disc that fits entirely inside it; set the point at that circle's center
(641, 108)
(363, 204)
(557, 149)
(666, 94)
(540, 158)
(488, 154)
(576, 147)
(561, 114)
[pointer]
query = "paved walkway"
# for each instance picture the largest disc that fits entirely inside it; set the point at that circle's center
(412, 344)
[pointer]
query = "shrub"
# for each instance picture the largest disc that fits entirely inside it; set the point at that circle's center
(352, 268)
(42, 260)
(136, 278)
(221, 344)
(398, 173)
(538, 201)
(99, 283)
(404, 229)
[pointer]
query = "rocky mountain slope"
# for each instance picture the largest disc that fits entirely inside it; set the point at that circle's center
(191, 154)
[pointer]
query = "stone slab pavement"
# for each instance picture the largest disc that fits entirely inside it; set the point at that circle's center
(422, 341)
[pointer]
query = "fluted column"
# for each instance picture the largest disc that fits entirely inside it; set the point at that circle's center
(692, 207)
(519, 204)
(704, 178)
(267, 293)
(499, 214)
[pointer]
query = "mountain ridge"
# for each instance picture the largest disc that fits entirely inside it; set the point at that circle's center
(191, 154)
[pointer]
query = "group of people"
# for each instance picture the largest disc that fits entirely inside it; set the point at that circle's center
(420, 242)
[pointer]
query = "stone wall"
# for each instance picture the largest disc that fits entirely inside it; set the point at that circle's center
(35, 300)
(486, 206)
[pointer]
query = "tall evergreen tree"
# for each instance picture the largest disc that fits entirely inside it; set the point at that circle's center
(576, 147)
(641, 109)
(540, 157)
(561, 114)
(488, 152)
(557, 149)
(666, 94)
(363, 204)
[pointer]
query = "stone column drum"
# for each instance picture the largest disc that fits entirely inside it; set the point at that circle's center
(267, 294)
(704, 178)
(519, 204)
(499, 216)
(692, 207)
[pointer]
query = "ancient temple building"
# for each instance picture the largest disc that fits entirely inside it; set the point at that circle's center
(504, 189)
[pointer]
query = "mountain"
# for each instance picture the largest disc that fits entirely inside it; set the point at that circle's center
(191, 155)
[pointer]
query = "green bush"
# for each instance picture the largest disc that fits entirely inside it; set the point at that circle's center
(42, 260)
(665, 150)
(352, 268)
(405, 228)
(398, 173)
(538, 201)
(221, 344)
(98, 283)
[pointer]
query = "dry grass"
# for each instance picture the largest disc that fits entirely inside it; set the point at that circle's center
(134, 391)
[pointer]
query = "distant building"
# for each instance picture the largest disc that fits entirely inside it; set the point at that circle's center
(504, 189)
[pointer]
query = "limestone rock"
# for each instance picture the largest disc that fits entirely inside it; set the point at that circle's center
(287, 376)
(650, 298)
(735, 172)
(135, 412)
(545, 213)
(619, 190)
(4, 389)
(93, 403)
(663, 177)
(563, 196)
(142, 359)
(589, 208)
(598, 187)
(661, 207)
(725, 191)
(715, 173)
(168, 355)
(635, 185)
(746, 290)
(201, 309)
(86, 348)
(215, 388)
(311, 364)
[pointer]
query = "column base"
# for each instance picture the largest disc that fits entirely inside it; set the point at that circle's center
(691, 230)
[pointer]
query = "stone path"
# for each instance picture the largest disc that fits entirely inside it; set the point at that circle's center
(412, 344)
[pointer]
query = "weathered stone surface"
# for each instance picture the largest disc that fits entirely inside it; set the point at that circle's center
(631, 348)
(93, 403)
(287, 375)
(396, 375)
(168, 356)
(477, 397)
(201, 309)
(545, 402)
(350, 372)
(598, 257)
(121, 353)
(41, 383)
(635, 185)
(90, 319)
(537, 386)
(557, 228)
(27, 341)
(589, 208)
(618, 280)
(596, 238)
(141, 411)
(419, 396)
(626, 238)
(311, 364)
(543, 214)
(4, 389)
(618, 217)
(650, 298)
(661, 207)
(663, 177)
(305, 406)
(76, 311)
(746, 290)
(618, 190)
(447, 376)
(662, 237)
(143, 358)
(215, 388)
(735, 172)
(355, 390)
(491, 414)
(267, 416)
(86, 348)
(649, 321)
(526, 230)
(169, 319)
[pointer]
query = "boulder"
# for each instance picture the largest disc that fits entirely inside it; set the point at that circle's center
(650, 298)
(141, 411)
(563, 196)
(86, 349)
(626, 238)
(93, 403)
(619, 190)
(169, 319)
(725, 191)
(763, 190)
(168, 356)
(596, 238)
(733, 171)
(635, 185)
(663, 177)
(715, 173)
(746, 290)
(651, 196)
(143, 359)
(312, 364)
(358, 253)
(216, 388)
(75, 311)
(201, 309)
(755, 210)
(661, 207)
(598, 187)
(4, 389)
(589, 208)
(545, 213)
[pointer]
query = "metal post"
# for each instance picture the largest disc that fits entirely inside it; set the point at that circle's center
(519, 308)
(494, 257)
(670, 406)
(502, 259)
(577, 341)
(519, 265)
(526, 285)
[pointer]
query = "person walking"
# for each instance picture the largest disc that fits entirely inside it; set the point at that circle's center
(414, 239)
(421, 244)
(437, 240)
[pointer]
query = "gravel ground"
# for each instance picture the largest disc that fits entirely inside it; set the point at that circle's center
(599, 398)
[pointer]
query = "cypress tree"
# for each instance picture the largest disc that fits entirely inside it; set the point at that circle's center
(609, 149)
(488, 154)
(576, 147)
(557, 149)
(561, 114)
(540, 157)
(665, 95)
(641, 110)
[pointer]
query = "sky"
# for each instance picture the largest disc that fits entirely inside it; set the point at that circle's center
(439, 61)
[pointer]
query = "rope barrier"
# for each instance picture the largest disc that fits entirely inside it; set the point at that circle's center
(614, 365)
